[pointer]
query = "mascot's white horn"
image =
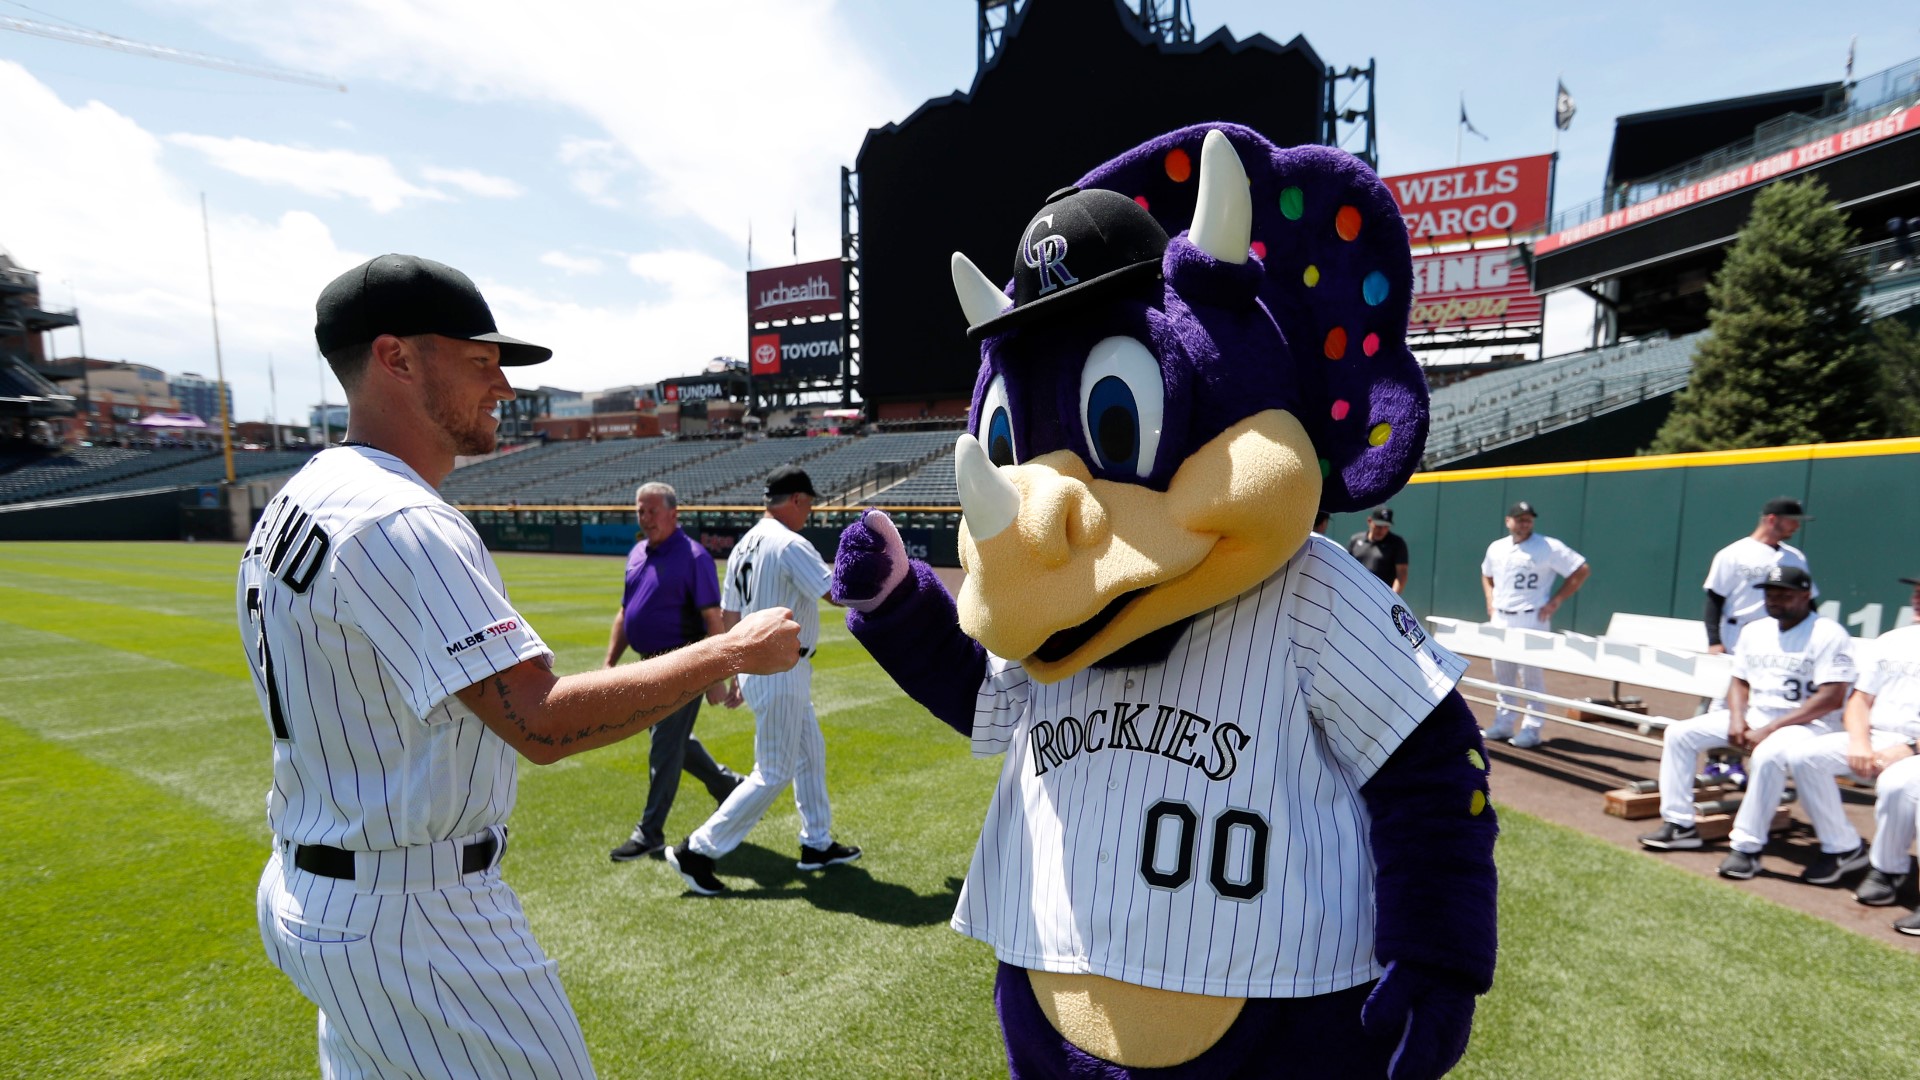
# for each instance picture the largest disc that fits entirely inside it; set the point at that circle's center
(979, 298)
(988, 501)
(1223, 212)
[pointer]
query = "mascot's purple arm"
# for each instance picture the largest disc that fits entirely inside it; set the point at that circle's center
(1434, 882)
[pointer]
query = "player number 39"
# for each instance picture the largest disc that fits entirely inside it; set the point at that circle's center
(1175, 825)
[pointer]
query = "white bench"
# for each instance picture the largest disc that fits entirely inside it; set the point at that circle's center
(1688, 635)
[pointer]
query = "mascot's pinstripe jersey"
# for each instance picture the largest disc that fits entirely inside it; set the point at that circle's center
(1243, 814)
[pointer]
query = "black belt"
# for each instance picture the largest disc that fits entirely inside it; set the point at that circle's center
(1521, 611)
(336, 862)
(804, 653)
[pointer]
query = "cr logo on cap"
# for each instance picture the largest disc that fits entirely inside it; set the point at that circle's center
(1047, 255)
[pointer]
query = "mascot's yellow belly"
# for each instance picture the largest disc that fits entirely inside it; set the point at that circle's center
(1136, 1026)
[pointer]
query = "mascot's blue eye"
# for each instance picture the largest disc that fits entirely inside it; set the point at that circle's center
(1000, 438)
(1115, 419)
(1123, 403)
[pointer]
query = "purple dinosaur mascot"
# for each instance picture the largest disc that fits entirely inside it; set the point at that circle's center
(1242, 827)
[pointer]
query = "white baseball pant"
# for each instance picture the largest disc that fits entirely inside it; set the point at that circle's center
(1896, 814)
(419, 970)
(1506, 720)
(787, 747)
(1815, 765)
(1767, 771)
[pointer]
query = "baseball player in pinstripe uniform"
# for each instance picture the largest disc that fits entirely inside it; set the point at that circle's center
(1241, 827)
(1517, 575)
(401, 686)
(773, 565)
(1791, 674)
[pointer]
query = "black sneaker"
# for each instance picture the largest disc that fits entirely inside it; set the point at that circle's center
(1740, 865)
(1829, 869)
(1879, 888)
(819, 858)
(1908, 923)
(1671, 837)
(638, 849)
(697, 869)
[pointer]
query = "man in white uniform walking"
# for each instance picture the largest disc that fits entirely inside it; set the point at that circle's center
(773, 565)
(1791, 674)
(1733, 596)
(399, 684)
(1517, 576)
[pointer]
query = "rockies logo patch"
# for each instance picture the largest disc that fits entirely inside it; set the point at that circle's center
(1408, 626)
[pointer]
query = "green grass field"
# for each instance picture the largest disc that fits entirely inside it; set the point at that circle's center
(134, 763)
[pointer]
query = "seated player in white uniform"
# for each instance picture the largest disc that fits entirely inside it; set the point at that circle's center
(1517, 576)
(1882, 732)
(1791, 673)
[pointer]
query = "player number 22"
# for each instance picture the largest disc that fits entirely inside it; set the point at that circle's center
(1225, 824)
(1523, 581)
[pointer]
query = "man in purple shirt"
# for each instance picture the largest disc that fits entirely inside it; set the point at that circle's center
(672, 599)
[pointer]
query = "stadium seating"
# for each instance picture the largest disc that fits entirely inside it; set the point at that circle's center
(97, 470)
(1507, 406)
(854, 464)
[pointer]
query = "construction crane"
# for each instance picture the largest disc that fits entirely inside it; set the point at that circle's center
(81, 36)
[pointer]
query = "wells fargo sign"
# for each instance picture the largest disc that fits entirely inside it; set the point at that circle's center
(1475, 202)
(1767, 168)
(1459, 290)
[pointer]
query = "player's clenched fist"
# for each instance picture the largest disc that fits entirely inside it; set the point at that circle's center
(769, 641)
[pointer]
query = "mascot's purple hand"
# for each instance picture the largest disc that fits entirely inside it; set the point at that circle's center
(871, 563)
(1426, 1013)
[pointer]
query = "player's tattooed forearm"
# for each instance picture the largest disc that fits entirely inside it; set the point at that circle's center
(639, 717)
(519, 722)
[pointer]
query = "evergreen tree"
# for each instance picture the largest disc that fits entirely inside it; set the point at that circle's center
(1896, 349)
(1789, 359)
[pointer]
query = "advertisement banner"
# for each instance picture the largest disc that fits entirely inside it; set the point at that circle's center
(1475, 202)
(1458, 290)
(692, 391)
(797, 351)
(794, 292)
(1786, 161)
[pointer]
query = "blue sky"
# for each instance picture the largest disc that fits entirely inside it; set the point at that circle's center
(595, 165)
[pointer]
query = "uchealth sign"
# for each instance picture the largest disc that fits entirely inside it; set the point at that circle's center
(1459, 290)
(797, 351)
(1758, 172)
(1474, 202)
(794, 292)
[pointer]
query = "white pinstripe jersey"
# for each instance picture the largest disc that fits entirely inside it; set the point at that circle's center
(364, 602)
(1197, 824)
(773, 566)
(1890, 671)
(1782, 670)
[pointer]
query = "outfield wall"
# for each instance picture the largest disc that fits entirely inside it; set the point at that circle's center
(1650, 525)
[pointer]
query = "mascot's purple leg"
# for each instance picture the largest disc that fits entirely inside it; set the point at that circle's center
(1316, 1038)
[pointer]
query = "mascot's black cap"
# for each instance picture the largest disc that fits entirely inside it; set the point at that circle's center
(1081, 245)
(404, 295)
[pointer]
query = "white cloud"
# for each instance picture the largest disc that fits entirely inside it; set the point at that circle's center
(110, 219)
(474, 182)
(727, 120)
(329, 174)
(572, 264)
(593, 165)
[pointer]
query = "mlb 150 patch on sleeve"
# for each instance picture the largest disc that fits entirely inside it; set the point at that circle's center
(482, 635)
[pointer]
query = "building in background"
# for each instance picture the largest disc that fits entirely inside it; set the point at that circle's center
(200, 396)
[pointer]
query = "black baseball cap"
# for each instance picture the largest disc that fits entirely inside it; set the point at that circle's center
(406, 294)
(790, 480)
(1381, 516)
(1522, 507)
(1080, 246)
(1786, 577)
(1785, 507)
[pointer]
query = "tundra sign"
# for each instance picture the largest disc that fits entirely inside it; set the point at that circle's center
(1473, 202)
